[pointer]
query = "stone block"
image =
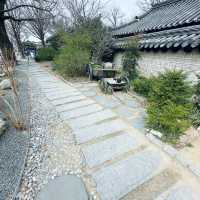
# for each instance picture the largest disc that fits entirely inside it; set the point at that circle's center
(64, 188)
(78, 104)
(55, 96)
(81, 111)
(99, 130)
(67, 100)
(117, 180)
(109, 149)
(91, 119)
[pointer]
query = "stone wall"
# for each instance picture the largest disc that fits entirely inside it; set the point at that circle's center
(154, 62)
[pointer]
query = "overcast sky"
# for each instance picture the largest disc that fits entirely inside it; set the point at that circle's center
(128, 7)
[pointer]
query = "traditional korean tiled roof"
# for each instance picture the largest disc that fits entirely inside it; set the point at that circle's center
(171, 14)
(171, 23)
(174, 38)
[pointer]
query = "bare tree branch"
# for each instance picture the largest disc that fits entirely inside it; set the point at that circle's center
(22, 6)
(115, 17)
(146, 5)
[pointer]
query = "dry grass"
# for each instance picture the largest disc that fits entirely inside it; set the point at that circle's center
(11, 105)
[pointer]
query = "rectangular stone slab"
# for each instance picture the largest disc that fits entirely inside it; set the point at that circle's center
(115, 181)
(70, 106)
(60, 91)
(56, 89)
(180, 191)
(100, 152)
(91, 119)
(99, 130)
(81, 111)
(52, 85)
(68, 100)
(62, 95)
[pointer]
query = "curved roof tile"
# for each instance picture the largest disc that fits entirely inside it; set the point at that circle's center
(169, 14)
(180, 37)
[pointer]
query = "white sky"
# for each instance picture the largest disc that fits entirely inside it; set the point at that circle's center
(128, 7)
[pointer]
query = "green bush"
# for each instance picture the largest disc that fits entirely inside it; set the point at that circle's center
(171, 86)
(171, 119)
(143, 85)
(197, 86)
(170, 105)
(45, 54)
(130, 59)
(74, 55)
(195, 117)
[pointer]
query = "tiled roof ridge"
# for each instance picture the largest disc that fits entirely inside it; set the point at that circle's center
(164, 3)
(158, 5)
(124, 25)
(134, 20)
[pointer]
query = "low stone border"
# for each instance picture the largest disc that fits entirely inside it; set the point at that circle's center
(173, 153)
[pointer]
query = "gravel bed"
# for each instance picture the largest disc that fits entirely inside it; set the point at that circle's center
(13, 147)
(52, 150)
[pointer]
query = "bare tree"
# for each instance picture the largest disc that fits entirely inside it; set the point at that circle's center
(115, 17)
(43, 20)
(15, 27)
(6, 14)
(82, 10)
(146, 5)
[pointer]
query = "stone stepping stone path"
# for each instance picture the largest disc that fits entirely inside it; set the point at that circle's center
(118, 156)
(67, 186)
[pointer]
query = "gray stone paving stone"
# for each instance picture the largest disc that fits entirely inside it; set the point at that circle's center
(55, 96)
(99, 130)
(91, 119)
(81, 111)
(195, 170)
(138, 123)
(46, 85)
(183, 193)
(107, 102)
(48, 80)
(89, 93)
(117, 180)
(68, 100)
(132, 103)
(109, 149)
(64, 188)
(56, 89)
(123, 111)
(179, 192)
(59, 92)
(70, 106)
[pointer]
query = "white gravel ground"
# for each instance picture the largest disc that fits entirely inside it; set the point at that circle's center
(52, 150)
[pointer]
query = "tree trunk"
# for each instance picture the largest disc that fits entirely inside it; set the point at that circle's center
(5, 44)
(43, 41)
(16, 31)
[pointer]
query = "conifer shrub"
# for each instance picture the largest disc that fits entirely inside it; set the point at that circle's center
(196, 111)
(170, 105)
(130, 59)
(74, 55)
(45, 54)
(143, 85)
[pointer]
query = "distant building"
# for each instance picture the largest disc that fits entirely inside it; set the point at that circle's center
(169, 37)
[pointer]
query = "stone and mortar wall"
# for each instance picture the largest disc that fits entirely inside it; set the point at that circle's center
(151, 63)
(155, 62)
